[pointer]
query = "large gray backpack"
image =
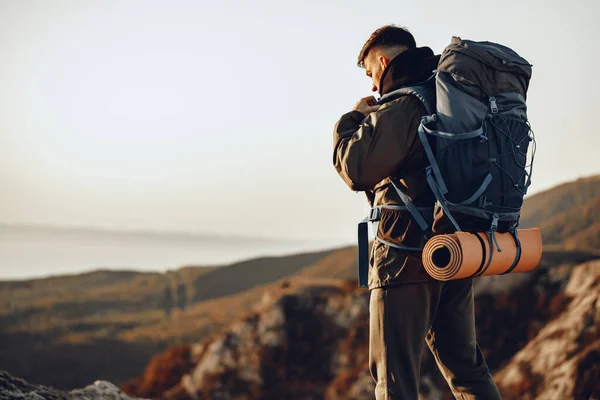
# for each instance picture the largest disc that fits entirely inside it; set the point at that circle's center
(476, 135)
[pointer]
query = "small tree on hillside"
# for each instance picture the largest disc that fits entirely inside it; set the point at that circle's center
(181, 296)
(168, 300)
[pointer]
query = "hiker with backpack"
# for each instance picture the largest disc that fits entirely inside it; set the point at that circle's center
(422, 178)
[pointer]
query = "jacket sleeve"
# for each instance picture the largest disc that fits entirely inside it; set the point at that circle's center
(368, 149)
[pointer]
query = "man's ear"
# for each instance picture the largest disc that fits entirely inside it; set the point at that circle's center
(384, 61)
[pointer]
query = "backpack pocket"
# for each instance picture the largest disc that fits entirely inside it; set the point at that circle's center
(464, 166)
(508, 140)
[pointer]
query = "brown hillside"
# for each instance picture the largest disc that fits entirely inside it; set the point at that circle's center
(565, 197)
(101, 291)
(578, 227)
(568, 215)
(241, 276)
(588, 238)
(110, 323)
(341, 264)
(46, 303)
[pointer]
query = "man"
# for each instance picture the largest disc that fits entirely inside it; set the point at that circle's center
(371, 144)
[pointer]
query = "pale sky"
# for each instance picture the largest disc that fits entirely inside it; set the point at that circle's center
(217, 116)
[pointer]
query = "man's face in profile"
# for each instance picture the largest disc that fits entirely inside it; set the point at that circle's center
(375, 64)
(377, 61)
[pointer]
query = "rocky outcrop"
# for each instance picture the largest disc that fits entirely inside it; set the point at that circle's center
(307, 343)
(311, 342)
(12, 388)
(563, 360)
(287, 349)
(162, 373)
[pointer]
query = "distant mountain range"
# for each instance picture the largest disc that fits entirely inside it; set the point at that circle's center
(159, 235)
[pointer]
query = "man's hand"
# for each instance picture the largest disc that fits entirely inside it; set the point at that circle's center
(367, 105)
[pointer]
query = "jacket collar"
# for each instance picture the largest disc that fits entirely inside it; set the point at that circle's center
(408, 68)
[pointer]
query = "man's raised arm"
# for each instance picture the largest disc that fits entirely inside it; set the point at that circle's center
(368, 149)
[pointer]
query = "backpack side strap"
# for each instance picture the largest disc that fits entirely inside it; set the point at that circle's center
(363, 238)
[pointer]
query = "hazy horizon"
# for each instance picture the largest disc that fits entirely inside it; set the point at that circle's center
(30, 252)
(205, 233)
(42, 251)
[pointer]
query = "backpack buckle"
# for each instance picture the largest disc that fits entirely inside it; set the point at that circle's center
(493, 105)
(494, 226)
(429, 118)
(428, 171)
(374, 214)
(493, 229)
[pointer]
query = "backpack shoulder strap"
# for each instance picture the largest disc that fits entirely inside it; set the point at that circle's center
(424, 91)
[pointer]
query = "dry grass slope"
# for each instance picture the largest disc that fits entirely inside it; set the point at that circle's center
(565, 197)
(568, 215)
(110, 323)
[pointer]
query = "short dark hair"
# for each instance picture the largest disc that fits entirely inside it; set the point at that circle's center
(386, 36)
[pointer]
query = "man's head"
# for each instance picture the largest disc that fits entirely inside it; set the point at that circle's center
(383, 45)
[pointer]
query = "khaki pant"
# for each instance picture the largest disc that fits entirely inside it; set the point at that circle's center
(442, 313)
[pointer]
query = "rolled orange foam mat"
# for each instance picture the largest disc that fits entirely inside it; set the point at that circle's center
(463, 254)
